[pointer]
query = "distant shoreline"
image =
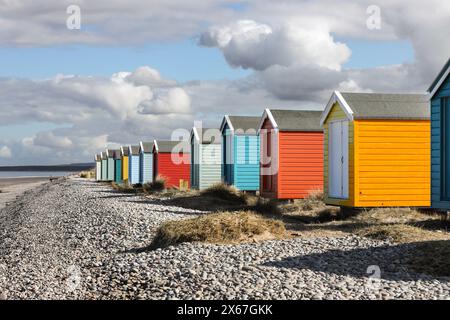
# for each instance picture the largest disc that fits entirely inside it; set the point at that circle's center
(11, 181)
(76, 167)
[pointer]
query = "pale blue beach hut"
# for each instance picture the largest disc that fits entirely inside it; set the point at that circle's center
(133, 165)
(110, 154)
(104, 176)
(205, 157)
(145, 162)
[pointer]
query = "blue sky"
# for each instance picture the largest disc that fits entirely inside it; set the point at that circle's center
(169, 58)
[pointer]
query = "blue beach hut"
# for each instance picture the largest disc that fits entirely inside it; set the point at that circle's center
(240, 152)
(133, 165)
(440, 139)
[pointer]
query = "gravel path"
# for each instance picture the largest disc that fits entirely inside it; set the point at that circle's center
(74, 239)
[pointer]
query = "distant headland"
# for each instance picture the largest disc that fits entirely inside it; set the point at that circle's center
(73, 167)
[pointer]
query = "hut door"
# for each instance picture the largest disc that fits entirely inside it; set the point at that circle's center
(338, 159)
(446, 149)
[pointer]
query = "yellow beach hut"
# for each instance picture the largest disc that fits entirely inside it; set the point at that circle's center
(377, 150)
(124, 152)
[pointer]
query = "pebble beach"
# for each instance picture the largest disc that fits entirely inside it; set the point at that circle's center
(78, 239)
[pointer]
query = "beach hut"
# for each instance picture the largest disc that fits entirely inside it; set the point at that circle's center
(124, 152)
(440, 139)
(98, 167)
(117, 166)
(133, 165)
(240, 152)
(377, 150)
(145, 162)
(171, 160)
(110, 155)
(104, 166)
(291, 153)
(205, 157)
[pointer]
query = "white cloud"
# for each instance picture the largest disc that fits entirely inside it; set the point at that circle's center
(5, 152)
(175, 100)
(249, 44)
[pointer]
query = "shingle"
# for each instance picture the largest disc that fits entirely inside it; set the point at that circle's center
(245, 124)
(297, 120)
(168, 146)
(388, 106)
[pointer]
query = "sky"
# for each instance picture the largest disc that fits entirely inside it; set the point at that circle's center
(142, 70)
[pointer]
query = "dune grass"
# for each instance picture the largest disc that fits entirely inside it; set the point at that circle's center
(225, 192)
(124, 187)
(157, 185)
(223, 228)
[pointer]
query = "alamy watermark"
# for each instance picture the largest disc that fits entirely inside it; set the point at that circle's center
(73, 21)
(373, 21)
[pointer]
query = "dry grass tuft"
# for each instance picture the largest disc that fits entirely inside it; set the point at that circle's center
(264, 206)
(124, 188)
(392, 215)
(400, 233)
(225, 192)
(225, 227)
(158, 185)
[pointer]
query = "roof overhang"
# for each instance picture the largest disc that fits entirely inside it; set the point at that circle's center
(194, 133)
(155, 146)
(267, 115)
(226, 120)
(336, 97)
(438, 81)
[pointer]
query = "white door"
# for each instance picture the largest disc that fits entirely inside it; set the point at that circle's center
(338, 159)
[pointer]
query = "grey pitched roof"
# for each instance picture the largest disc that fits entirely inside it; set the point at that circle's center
(168, 146)
(297, 120)
(209, 135)
(134, 150)
(103, 155)
(98, 157)
(111, 152)
(439, 76)
(245, 124)
(124, 150)
(148, 147)
(388, 105)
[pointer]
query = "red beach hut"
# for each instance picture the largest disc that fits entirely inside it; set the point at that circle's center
(171, 160)
(291, 153)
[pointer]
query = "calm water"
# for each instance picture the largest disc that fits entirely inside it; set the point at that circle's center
(22, 174)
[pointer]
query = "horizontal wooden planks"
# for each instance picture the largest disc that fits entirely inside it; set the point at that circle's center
(394, 167)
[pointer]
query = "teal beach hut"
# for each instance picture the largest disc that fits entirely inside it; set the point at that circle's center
(440, 139)
(104, 176)
(145, 162)
(117, 166)
(133, 165)
(205, 157)
(240, 152)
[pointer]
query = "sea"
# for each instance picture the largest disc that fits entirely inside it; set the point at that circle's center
(32, 174)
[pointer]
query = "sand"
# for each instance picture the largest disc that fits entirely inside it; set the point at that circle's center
(11, 188)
